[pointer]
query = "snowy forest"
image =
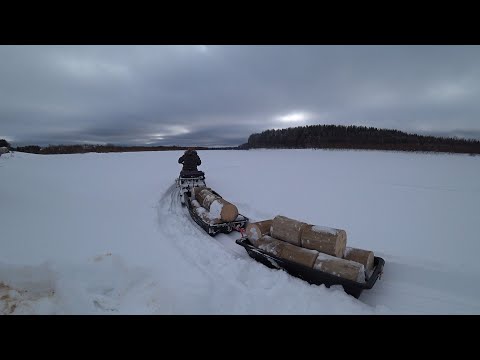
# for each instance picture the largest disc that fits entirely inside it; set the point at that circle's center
(357, 137)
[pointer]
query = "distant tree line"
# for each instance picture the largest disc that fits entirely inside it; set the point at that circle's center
(356, 137)
(81, 149)
(224, 148)
(4, 143)
(87, 148)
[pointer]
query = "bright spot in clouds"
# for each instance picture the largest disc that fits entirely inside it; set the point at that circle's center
(170, 131)
(448, 91)
(294, 117)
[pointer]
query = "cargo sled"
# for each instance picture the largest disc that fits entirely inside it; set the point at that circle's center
(186, 183)
(313, 276)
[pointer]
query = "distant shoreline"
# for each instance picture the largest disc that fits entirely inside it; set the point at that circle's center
(301, 137)
(63, 151)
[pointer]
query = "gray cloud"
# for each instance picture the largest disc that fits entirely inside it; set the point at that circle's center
(219, 95)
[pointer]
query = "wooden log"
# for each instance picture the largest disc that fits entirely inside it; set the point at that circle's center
(286, 229)
(299, 255)
(324, 239)
(218, 207)
(201, 193)
(205, 197)
(346, 269)
(257, 229)
(199, 210)
(195, 203)
(197, 189)
(364, 257)
(206, 216)
(270, 245)
(224, 210)
(209, 199)
(287, 251)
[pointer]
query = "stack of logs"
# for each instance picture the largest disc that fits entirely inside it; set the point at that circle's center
(317, 247)
(211, 207)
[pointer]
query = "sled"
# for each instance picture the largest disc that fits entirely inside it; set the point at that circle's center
(213, 229)
(186, 185)
(310, 275)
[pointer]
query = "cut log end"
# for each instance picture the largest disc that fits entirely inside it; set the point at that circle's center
(256, 230)
(364, 257)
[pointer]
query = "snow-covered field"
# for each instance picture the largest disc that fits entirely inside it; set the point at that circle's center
(106, 233)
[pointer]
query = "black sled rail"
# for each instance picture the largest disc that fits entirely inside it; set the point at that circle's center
(224, 227)
(313, 276)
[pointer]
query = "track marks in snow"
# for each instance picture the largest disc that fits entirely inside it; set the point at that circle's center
(424, 289)
(175, 223)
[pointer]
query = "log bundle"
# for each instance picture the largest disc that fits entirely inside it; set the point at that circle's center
(318, 247)
(323, 239)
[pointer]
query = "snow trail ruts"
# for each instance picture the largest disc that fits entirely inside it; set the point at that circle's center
(191, 240)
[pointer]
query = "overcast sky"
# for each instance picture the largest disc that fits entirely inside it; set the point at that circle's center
(219, 95)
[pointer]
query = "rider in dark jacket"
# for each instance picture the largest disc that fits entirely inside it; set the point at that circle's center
(190, 161)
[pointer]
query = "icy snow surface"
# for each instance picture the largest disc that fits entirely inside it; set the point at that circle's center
(107, 234)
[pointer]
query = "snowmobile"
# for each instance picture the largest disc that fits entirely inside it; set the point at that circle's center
(186, 182)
